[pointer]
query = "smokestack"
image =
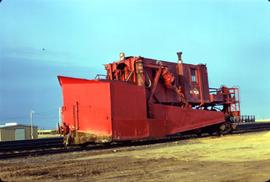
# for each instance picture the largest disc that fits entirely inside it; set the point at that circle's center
(179, 55)
(122, 56)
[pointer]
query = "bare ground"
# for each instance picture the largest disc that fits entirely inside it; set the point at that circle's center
(244, 157)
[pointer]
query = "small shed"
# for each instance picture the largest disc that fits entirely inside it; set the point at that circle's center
(14, 131)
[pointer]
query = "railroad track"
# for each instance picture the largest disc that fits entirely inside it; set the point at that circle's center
(42, 143)
(37, 147)
(252, 127)
(18, 148)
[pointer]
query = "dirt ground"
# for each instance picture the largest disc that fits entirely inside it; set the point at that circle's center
(244, 157)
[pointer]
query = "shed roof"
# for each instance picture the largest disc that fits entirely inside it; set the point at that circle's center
(10, 125)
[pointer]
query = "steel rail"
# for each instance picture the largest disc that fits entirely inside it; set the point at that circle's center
(31, 144)
(48, 146)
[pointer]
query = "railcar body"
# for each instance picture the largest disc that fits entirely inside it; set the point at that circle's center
(142, 98)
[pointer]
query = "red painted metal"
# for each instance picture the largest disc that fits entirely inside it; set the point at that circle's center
(143, 98)
(86, 107)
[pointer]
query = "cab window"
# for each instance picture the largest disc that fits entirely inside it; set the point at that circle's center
(193, 75)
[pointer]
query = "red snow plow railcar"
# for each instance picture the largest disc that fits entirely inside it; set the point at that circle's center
(142, 98)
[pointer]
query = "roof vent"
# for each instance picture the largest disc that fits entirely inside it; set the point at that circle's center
(179, 55)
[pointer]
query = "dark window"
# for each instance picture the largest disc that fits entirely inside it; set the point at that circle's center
(153, 73)
(193, 75)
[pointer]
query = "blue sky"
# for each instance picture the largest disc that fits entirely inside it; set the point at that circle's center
(42, 39)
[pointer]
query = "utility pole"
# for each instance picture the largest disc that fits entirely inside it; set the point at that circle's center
(31, 123)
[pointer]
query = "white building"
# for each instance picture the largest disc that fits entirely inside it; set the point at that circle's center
(14, 131)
